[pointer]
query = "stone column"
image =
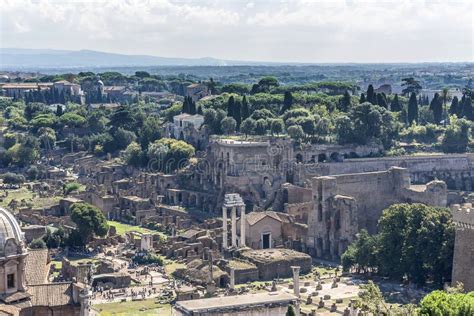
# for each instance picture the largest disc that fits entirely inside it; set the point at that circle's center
(296, 280)
(232, 278)
(234, 227)
(224, 227)
(21, 274)
(84, 299)
(242, 226)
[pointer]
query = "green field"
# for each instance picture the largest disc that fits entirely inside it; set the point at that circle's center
(25, 194)
(122, 229)
(145, 307)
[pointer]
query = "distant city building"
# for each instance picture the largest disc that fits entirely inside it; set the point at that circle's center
(385, 88)
(197, 91)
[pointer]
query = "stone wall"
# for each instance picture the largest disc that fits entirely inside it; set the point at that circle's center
(457, 170)
(346, 203)
(463, 259)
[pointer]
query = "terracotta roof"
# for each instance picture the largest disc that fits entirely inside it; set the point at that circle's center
(7, 310)
(37, 266)
(255, 217)
(14, 297)
(51, 294)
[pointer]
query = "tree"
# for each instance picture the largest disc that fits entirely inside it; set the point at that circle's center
(277, 126)
(133, 154)
(237, 114)
(412, 109)
(89, 221)
(230, 106)
(228, 125)
(72, 119)
(261, 127)
(362, 99)
(59, 110)
(12, 178)
(248, 126)
(71, 187)
(345, 102)
(456, 136)
(454, 108)
(413, 240)
(150, 131)
(371, 94)
(411, 86)
(382, 100)
(37, 243)
(417, 241)
(395, 105)
(296, 132)
(287, 102)
(436, 106)
(443, 303)
(245, 112)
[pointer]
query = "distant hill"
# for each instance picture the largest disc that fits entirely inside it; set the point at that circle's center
(20, 58)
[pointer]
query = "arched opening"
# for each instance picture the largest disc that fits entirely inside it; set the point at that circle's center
(299, 158)
(181, 136)
(322, 157)
(336, 157)
(192, 200)
(285, 196)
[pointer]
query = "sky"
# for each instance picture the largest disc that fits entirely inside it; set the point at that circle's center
(318, 31)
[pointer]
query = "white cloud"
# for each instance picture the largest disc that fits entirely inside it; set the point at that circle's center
(298, 30)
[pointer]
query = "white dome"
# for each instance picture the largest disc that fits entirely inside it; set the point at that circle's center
(9, 229)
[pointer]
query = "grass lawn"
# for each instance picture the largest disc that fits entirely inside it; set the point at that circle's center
(145, 307)
(171, 266)
(125, 228)
(25, 194)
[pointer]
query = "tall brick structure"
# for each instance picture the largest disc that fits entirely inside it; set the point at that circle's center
(463, 261)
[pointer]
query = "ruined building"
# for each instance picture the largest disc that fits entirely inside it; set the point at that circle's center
(463, 260)
(345, 204)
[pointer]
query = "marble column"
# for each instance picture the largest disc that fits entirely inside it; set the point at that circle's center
(242, 226)
(224, 227)
(296, 280)
(234, 227)
(232, 278)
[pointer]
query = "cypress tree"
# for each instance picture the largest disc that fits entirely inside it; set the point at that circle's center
(395, 106)
(230, 106)
(59, 110)
(287, 102)
(185, 105)
(192, 106)
(371, 94)
(345, 102)
(382, 100)
(467, 108)
(412, 109)
(454, 108)
(436, 106)
(362, 98)
(237, 114)
(245, 111)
